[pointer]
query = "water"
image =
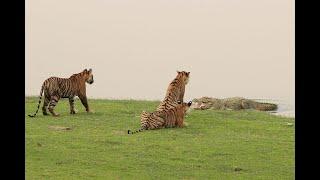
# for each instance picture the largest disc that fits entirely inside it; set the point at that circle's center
(285, 107)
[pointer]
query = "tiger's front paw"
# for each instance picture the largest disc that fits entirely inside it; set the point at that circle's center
(90, 111)
(73, 111)
(56, 115)
(185, 124)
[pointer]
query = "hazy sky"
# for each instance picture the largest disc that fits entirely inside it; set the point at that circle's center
(231, 47)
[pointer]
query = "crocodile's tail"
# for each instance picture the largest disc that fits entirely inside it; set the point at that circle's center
(266, 107)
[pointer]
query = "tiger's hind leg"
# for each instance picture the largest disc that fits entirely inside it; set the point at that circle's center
(45, 105)
(53, 102)
(71, 102)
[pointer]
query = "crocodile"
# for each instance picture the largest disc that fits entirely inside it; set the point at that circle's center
(233, 103)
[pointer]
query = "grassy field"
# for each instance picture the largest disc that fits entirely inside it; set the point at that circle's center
(213, 145)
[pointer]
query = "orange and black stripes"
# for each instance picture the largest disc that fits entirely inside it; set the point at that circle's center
(167, 114)
(175, 91)
(55, 88)
(132, 132)
(166, 118)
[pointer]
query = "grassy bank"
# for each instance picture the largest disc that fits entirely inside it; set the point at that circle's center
(213, 145)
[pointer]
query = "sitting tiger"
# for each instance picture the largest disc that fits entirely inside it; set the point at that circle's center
(175, 91)
(55, 88)
(173, 117)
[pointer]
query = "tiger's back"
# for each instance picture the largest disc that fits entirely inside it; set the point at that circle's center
(63, 87)
(175, 91)
(151, 120)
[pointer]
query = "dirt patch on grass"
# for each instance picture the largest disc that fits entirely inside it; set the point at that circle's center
(115, 132)
(113, 142)
(60, 128)
(237, 169)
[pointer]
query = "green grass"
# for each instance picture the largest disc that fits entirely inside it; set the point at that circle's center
(211, 146)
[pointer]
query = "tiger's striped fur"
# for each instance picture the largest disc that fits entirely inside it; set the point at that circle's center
(175, 91)
(55, 88)
(173, 117)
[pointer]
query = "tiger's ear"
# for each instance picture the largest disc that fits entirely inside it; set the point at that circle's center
(85, 70)
(178, 72)
(179, 102)
(188, 73)
(90, 70)
(189, 103)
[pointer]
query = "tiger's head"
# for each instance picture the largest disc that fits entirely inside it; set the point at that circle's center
(184, 105)
(184, 75)
(88, 76)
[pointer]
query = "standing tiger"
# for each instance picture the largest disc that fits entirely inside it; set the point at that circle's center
(55, 88)
(172, 117)
(175, 91)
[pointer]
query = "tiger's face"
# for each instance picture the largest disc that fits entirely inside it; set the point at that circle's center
(185, 76)
(185, 106)
(88, 76)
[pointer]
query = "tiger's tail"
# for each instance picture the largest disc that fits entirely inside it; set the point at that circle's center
(139, 130)
(41, 91)
(144, 115)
